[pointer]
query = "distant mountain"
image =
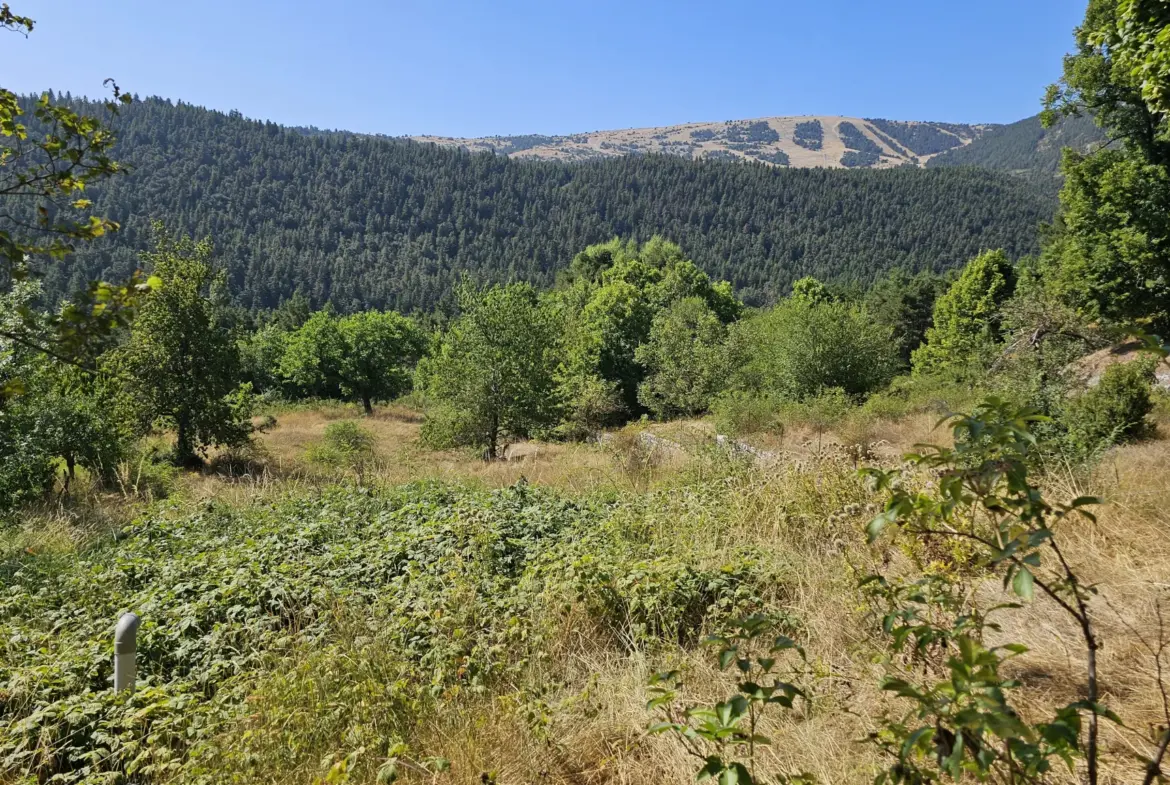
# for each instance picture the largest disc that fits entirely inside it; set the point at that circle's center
(797, 142)
(370, 221)
(1025, 147)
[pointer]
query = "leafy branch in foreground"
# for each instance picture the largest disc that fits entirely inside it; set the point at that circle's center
(722, 734)
(49, 154)
(962, 722)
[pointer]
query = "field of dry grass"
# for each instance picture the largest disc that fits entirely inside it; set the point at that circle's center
(804, 512)
(802, 515)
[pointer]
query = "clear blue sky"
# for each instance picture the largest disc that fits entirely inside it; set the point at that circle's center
(478, 67)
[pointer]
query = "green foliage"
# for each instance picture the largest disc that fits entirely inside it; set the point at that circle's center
(344, 618)
(492, 375)
(380, 350)
(1115, 410)
(261, 353)
(961, 719)
(181, 370)
(405, 220)
(1109, 258)
(860, 149)
(1026, 147)
(312, 357)
(719, 735)
(798, 349)
(686, 360)
(366, 356)
(967, 320)
(923, 138)
(904, 305)
(1140, 45)
(741, 413)
(49, 154)
(809, 134)
(618, 291)
(810, 291)
(346, 445)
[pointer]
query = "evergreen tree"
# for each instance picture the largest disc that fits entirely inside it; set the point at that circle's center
(904, 304)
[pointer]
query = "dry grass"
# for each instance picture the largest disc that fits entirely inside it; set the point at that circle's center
(399, 457)
(802, 515)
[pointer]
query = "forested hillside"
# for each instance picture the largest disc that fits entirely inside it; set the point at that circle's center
(1025, 147)
(377, 222)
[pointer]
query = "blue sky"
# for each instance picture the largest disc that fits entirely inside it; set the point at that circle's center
(474, 68)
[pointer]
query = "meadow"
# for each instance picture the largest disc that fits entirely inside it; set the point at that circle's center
(427, 616)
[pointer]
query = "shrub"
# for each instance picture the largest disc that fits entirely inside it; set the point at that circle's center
(346, 445)
(146, 474)
(740, 413)
(1116, 410)
(800, 348)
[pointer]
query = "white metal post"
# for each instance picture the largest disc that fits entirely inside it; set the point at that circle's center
(125, 652)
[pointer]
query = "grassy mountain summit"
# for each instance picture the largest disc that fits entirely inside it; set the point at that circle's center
(823, 141)
(799, 142)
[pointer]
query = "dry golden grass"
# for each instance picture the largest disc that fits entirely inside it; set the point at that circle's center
(803, 514)
(597, 735)
(399, 457)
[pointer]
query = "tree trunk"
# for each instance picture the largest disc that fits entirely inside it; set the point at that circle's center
(184, 449)
(493, 436)
(368, 404)
(70, 465)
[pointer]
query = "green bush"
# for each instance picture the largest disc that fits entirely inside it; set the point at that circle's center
(146, 473)
(347, 446)
(800, 348)
(1116, 410)
(26, 468)
(740, 413)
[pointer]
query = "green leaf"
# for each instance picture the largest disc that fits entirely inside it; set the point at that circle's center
(1023, 583)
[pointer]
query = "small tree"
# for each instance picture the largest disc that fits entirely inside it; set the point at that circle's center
(685, 359)
(967, 319)
(312, 358)
(493, 373)
(798, 349)
(379, 350)
(181, 368)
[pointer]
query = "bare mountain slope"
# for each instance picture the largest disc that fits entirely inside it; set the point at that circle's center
(799, 142)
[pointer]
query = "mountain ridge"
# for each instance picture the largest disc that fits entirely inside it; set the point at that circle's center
(828, 141)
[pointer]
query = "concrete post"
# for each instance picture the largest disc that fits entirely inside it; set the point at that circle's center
(125, 652)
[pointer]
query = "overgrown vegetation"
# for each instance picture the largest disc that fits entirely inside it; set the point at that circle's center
(309, 617)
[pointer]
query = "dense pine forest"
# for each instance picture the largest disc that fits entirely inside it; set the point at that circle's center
(378, 222)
